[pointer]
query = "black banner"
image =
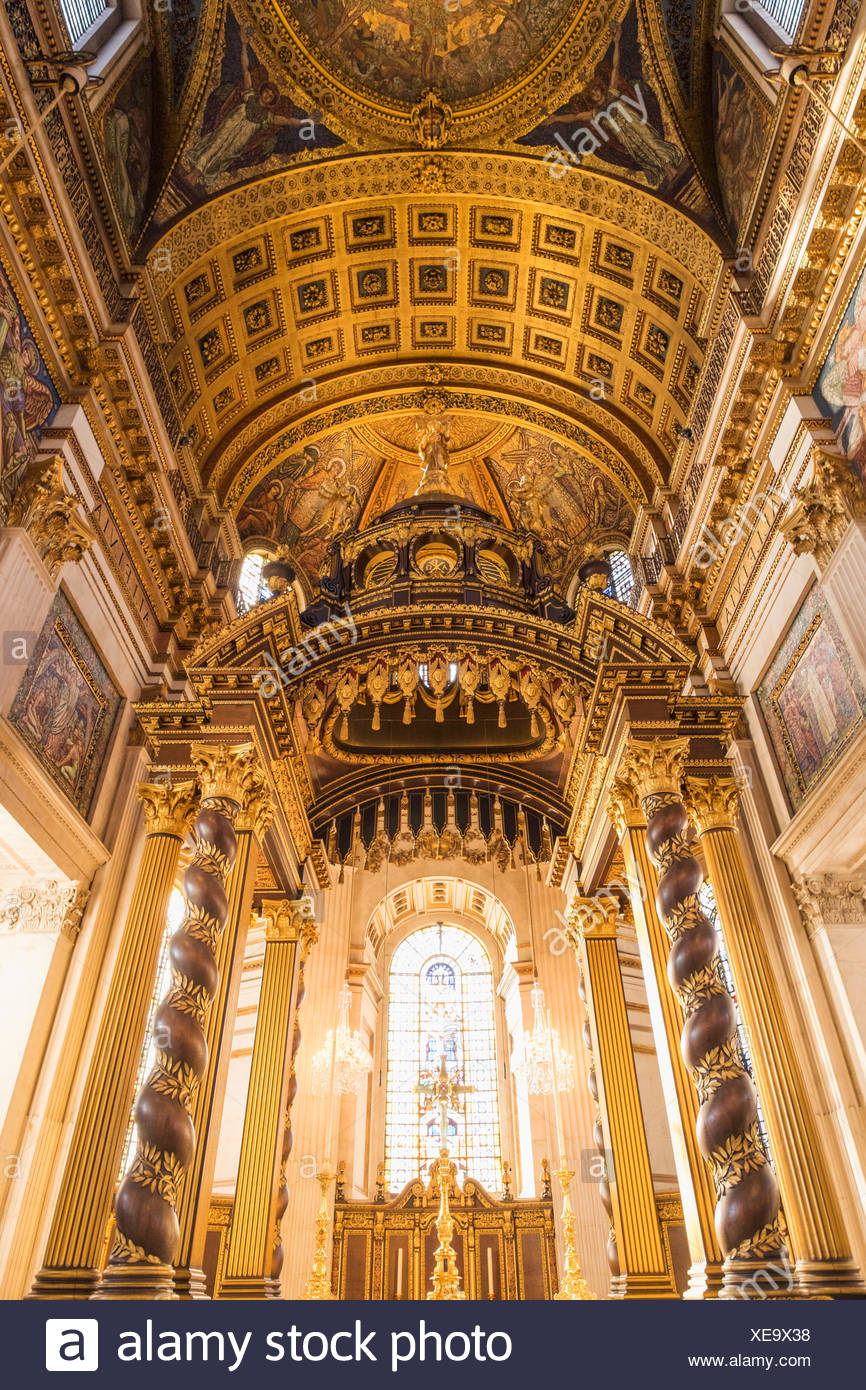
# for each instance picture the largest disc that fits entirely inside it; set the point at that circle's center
(194, 1344)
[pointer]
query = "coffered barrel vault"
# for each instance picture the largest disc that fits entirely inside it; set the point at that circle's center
(319, 289)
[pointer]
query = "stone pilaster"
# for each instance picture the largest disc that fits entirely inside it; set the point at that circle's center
(71, 1261)
(823, 1266)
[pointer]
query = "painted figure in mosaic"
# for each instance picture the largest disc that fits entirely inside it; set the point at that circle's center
(246, 114)
(26, 401)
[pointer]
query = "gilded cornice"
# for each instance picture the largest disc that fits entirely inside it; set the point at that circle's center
(815, 261)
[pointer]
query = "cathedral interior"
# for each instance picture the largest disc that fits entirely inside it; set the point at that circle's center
(433, 680)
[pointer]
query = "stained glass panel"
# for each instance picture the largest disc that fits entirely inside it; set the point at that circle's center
(441, 1003)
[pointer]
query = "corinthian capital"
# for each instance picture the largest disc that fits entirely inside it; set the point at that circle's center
(227, 771)
(257, 809)
(712, 803)
(168, 809)
(623, 803)
(48, 513)
(653, 767)
(50, 907)
(289, 920)
(822, 510)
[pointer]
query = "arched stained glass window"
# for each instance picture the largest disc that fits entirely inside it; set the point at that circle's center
(251, 586)
(621, 577)
(441, 1003)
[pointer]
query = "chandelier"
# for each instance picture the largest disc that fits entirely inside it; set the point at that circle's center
(341, 1065)
(549, 1068)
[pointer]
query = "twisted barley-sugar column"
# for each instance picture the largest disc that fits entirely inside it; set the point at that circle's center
(823, 1266)
(146, 1240)
(697, 1192)
(75, 1242)
(193, 1207)
(747, 1206)
(249, 1268)
(642, 1271)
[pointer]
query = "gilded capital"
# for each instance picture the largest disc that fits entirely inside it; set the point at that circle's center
(49, 514)
(592, 917)
(712, 803)
(168, 808)
(822, 511)
(289, 920)
(654, 767)
(623, 805)
(257, 808)
(226, 771)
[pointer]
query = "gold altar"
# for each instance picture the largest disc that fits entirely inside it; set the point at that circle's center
(385, 1249)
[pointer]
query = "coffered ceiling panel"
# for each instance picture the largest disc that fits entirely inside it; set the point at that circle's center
(268, 301)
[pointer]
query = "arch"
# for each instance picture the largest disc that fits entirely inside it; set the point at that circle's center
(420, 901)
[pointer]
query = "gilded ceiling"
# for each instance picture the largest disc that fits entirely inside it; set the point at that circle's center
(269, 313)
(357, 202)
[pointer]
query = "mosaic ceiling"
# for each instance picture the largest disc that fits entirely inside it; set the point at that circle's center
(402, 47)
(345, 479)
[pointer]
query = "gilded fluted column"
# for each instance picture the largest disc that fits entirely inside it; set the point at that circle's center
(308, 939)
(681, 1099)
(747, 1206)
(72, 1255)
(147, 1230)
(259, 1195)
(642, 1272)
(251, 823)
(816, 1235)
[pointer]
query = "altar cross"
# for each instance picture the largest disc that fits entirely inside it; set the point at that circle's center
(442, 1090)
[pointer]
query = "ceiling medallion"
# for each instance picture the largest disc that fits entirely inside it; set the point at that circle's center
(434, 71)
